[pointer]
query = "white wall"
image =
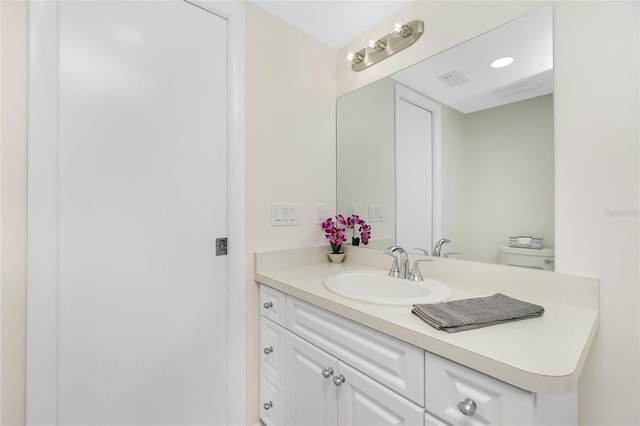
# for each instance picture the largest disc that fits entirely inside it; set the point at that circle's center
(509, 174)
(597, 173)
(596, 164)
(13, 213)
(290, 150)
(366, 163)
(454, 162)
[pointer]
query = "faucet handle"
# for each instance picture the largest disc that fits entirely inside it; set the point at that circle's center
(450, 253)
(395, 269)
(437, 249)
(425, 252)
(415, 274)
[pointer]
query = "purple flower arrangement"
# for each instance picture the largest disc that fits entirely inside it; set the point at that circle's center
(334, 231)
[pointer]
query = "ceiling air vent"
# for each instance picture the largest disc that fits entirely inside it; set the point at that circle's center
(453, 78)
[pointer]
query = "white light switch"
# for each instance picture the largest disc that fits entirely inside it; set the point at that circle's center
(320, 213)
(376, 213)
(284, 214)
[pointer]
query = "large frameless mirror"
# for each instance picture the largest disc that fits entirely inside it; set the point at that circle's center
(457, 146)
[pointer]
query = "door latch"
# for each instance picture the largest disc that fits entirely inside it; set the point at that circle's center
(221, 246)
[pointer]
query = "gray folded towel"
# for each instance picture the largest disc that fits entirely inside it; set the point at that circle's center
(467, 314)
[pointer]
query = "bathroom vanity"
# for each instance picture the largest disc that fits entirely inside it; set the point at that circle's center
(328, 359)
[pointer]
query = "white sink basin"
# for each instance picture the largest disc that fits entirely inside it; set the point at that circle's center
(377, 287)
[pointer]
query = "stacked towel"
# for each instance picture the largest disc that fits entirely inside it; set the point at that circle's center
(467, 314)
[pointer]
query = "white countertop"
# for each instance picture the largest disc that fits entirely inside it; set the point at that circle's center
(542, 355)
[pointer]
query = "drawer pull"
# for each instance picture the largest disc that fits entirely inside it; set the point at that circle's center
(267, 405)
(268, 305)
(327, 372)
(467, 407)
(338, 380)
(268, 350)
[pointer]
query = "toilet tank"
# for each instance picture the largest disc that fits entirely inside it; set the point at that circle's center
(527, 258)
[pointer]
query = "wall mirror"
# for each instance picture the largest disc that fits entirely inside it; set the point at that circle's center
(454, 148)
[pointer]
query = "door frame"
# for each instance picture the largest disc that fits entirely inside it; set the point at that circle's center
(420, 100)
(42, 218)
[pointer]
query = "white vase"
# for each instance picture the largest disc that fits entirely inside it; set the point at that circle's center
(336, 257)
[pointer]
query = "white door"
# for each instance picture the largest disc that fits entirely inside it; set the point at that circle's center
(311, 397)
(141, 198)
(417, 181)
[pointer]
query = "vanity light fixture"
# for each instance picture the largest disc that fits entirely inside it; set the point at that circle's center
(502, 62)
(402, 36)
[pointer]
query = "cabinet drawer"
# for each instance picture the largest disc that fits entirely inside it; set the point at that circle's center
(272, 304)
(272, 353)
(395, 364)
(489, 401)
(272, 400)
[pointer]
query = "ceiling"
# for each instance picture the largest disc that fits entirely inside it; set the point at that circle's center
(335, 23)
(529, 40)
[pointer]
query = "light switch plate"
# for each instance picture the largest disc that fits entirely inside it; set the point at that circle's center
(376, 212)
(320, 213)
(284, 214)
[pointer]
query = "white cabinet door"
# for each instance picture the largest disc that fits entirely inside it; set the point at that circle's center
(429, 420)
(311, 397)
(364, 402)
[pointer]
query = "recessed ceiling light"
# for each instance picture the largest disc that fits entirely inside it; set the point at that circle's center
(502, 62)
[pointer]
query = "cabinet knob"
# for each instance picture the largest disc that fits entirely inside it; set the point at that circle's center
(467, 407)
(268, 350)
(267, 405)
(338, 380)
(268, 305)
(327, 372)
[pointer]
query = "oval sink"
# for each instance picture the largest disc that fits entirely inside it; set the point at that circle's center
(377, 287)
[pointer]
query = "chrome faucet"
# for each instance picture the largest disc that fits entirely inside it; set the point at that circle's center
(438, 247)
(415, 274)
(403, 271)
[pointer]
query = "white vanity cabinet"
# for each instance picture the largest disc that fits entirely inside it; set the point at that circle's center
(312, 371)
(318, 368)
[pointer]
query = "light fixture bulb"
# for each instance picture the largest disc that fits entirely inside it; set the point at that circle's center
(396, 28)
(380, 45)
(405, 31)
(371, 45)
(502, 62)
(357, 57)
(350, 56)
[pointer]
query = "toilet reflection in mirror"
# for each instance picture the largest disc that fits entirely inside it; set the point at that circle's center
(452, 147)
